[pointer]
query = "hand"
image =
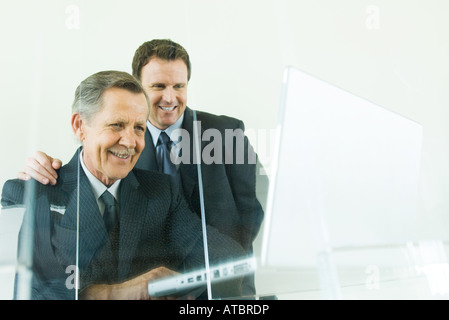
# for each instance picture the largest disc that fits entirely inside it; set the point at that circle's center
(41, 167)
(133, 289)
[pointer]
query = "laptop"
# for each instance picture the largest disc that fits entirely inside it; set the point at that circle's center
(195, 282)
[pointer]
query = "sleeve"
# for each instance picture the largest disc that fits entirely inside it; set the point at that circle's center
(241, 173)
(188, 237)
(13, 193)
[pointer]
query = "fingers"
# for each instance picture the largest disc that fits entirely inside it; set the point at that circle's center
(56, 164)
(40, 167)
(159, 273)
(30, 172)
(23, 176)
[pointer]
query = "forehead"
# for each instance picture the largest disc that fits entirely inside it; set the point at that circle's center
(117, 102)
(164, 70)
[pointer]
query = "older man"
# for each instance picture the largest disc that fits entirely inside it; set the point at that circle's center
(147, 230)
(228, 175)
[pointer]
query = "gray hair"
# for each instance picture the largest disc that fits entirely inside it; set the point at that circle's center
(88, 95)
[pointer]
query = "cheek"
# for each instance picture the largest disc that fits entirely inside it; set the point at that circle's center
(154, 98)
(106, 141)
(140, 144)
(182, 98)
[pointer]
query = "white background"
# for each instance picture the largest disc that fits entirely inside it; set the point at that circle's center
(391, 52)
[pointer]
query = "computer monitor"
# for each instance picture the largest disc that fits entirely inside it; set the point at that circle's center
(346, 174)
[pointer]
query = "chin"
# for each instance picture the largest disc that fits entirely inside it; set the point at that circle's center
(171, 119)
(121, 173)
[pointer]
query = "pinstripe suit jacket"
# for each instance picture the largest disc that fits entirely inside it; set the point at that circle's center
(229, 188)
(156, 229)
(230, 199)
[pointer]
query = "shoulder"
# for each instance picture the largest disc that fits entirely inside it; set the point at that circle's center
(149, 180)
(14, 190)
(220, 122)
(146, 176)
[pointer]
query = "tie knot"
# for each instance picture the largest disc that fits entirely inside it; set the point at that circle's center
(108, 198)
(163, 138)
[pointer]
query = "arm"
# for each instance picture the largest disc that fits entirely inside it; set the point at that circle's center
(245, 179)
(41, 167)
(186, 236)
(12, 193)
(133, 289)
(242, 176)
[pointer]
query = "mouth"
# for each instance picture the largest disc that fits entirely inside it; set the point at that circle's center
(122, 155)
(168, 109)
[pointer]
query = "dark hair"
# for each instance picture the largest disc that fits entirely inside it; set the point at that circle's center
(88, 94)
(164, 49)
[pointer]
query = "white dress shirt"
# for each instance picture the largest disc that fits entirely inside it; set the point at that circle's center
(98, 187)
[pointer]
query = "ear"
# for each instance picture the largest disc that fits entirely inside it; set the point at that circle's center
(78, 126)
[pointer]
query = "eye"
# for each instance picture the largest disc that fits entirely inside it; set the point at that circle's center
(158, 86)
(116, 125)
(179, 86)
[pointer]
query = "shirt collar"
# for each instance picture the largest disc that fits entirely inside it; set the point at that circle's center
(97, 186)
(169, 131)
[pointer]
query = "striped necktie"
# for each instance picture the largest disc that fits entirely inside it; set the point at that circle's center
(110, 210)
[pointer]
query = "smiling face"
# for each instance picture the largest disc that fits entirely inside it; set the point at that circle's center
(165, 83)
(114, 139)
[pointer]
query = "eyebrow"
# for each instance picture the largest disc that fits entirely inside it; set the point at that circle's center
(163, 83)
(121, 120)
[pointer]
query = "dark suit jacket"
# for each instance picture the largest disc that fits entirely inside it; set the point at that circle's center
(156, 228)
(230, 198)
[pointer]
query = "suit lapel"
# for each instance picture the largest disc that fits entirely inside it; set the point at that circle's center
(133, 207)
(147, 159)
(82, 216)
(189, 172)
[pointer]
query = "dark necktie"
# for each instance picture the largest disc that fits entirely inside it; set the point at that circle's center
(110, 211)
(163, 148)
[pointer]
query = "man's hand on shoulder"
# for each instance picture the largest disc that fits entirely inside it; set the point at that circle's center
(40, 167)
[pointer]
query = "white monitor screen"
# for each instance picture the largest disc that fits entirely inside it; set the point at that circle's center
(346, 173)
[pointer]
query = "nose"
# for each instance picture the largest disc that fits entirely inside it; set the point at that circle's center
(128, 138)
(168, 96)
